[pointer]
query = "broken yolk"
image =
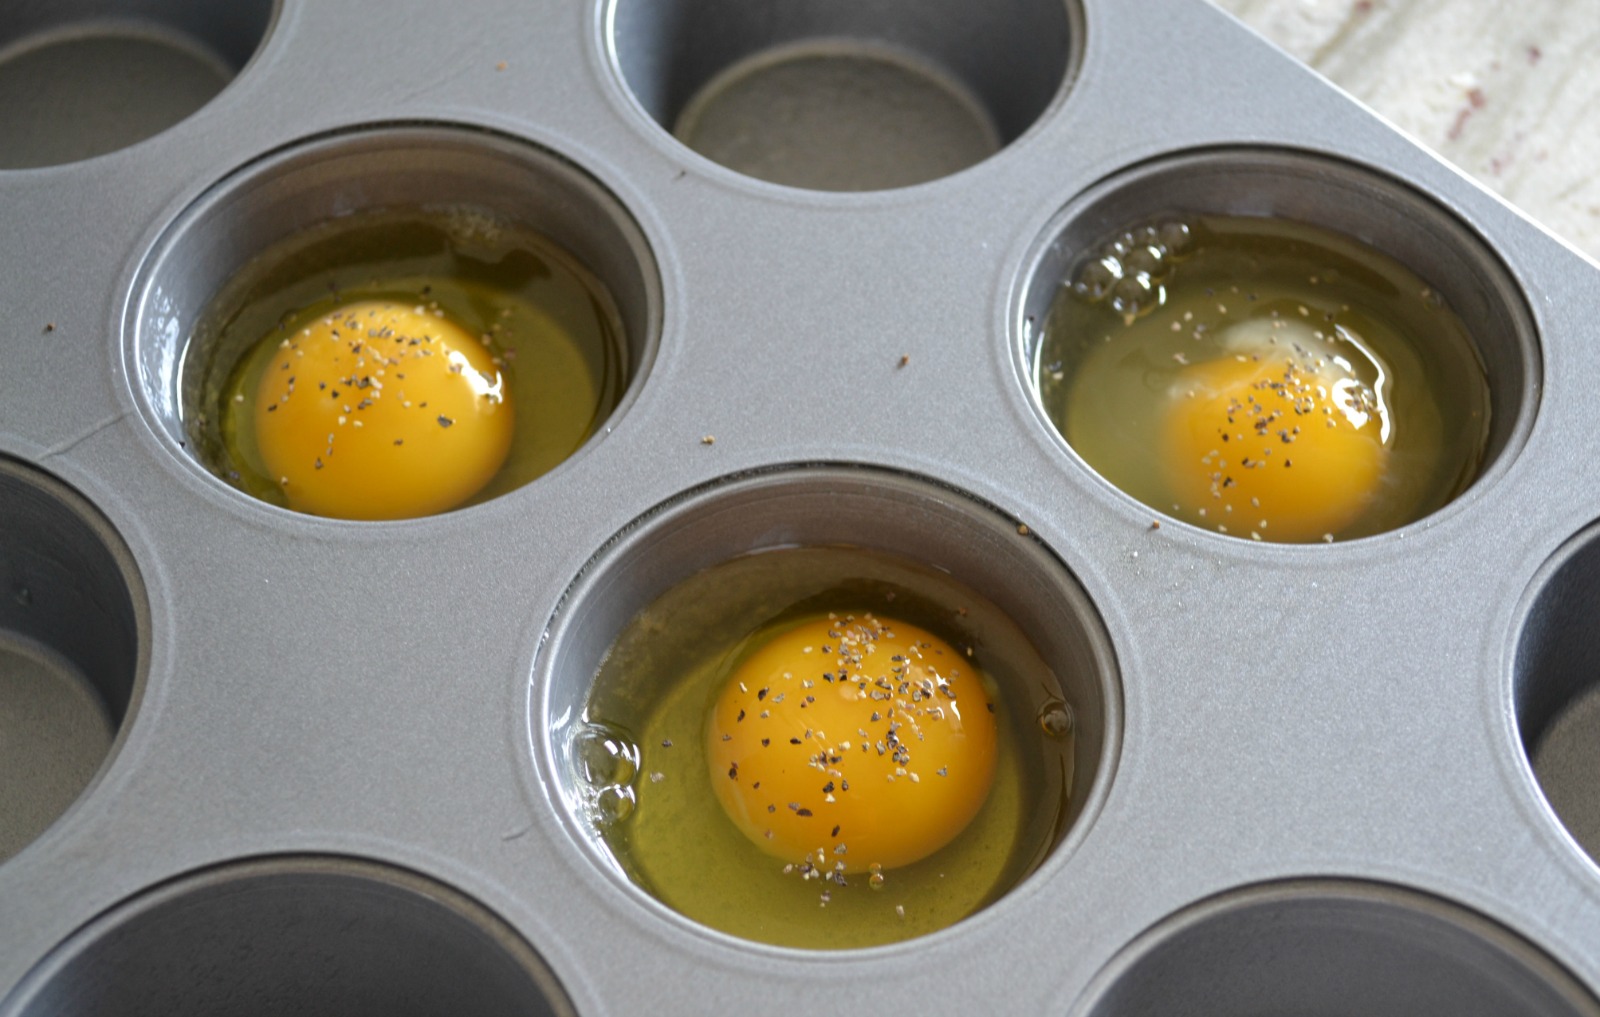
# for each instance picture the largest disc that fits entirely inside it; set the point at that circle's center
(1276, 446)
(852, 743)
(381, 411)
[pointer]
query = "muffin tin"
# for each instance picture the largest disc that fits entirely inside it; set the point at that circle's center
(305, 763)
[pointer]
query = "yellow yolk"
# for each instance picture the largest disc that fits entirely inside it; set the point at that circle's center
(381, 411)
(1274, 446)
(852, 743)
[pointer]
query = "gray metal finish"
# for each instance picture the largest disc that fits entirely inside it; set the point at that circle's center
(1332, 740)
(294, 935)
(1295, 947)
(79, 78)
(71, 622)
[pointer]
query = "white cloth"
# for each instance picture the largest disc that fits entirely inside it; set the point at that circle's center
(1509, 92)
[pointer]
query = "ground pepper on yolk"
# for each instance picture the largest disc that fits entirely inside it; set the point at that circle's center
(852, 744)
(1273, 446)
(378, 410)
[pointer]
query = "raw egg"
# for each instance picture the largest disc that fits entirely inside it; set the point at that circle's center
(824, 748)
(1264, 378)
(379, 411)
(852, 744)
(1286, 442)
(401, 363)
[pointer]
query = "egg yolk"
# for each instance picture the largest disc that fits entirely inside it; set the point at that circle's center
(1280, 446)
(381, 411)
(852, 743)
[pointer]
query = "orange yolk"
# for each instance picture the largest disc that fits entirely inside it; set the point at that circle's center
(1273, 446)
(852, 744)
(381, 411)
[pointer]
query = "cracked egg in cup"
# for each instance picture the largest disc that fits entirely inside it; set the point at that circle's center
(393, 322)
(403, 364)
(1275, 346)
(827, 745)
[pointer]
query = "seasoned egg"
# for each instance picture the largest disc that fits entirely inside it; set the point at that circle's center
(1263, 378)
(381, 411)
(472, 356)
(852, 743)
(1278, 439)
(823, 700)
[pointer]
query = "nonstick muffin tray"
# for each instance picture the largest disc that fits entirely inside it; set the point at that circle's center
(311, 765)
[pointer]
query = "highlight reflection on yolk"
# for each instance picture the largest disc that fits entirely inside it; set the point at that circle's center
(381, 411)
(1276, 446)
(852, 743)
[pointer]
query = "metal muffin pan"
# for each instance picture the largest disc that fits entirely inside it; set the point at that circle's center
(1322, 776)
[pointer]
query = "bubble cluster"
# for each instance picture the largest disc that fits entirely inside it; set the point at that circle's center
(1130, 269)
(607, 765)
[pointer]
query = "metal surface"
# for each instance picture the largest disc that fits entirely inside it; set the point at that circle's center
(72, 620)
(294, 935)
(81, 78)
(1280, 719)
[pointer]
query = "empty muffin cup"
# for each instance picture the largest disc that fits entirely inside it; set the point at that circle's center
(826, 707)
(1335, 949)
(1557, 687)
(73, 635)
(1275, 346)
(304, 935)
(394, 323)
(839, 96)
(85, 78)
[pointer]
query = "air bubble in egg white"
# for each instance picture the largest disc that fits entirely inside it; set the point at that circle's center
(1056, 719)
(612, 804)
(1176, 238)
(1144, 260)
(1130, 268)
(1096, 278)
(606, 765)
(1133, 295)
